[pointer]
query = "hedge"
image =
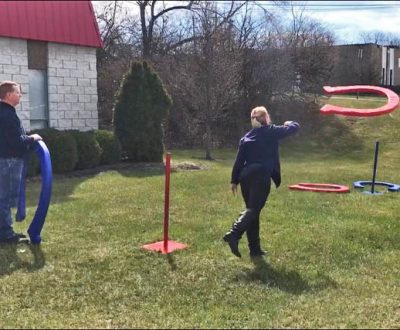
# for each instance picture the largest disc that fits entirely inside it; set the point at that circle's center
(111, 148)
(62, 148)
(89, 151)
(73, 150)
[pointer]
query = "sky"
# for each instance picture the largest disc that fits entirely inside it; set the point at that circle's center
(347, 19)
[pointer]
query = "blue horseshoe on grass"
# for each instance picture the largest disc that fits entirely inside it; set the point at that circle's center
(391, 186)
(37, 223)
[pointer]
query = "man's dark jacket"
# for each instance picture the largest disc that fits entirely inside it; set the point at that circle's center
(14, 142)
(261, 146)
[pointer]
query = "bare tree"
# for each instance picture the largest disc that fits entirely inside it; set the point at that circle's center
(160, 34)
(218, 75)
(113, 59)
(205, 78)
(312, 56)
(309, 45)
(381, 38)
(153, 20)
(265, 69)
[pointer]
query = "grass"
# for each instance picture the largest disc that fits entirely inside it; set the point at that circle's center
(333, 260)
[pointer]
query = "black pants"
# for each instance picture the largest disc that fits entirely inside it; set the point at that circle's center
(255, 184)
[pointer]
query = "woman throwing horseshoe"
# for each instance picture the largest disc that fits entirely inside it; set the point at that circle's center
(257, 162)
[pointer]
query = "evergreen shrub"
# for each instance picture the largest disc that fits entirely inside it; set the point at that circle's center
(110, 146)
(142, 104)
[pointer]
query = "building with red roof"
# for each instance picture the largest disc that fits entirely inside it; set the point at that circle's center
(49, 47)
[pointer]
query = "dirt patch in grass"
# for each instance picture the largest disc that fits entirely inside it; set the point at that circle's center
(175, 167)
(187, 166)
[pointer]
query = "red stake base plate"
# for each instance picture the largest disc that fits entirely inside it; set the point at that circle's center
(165, 248)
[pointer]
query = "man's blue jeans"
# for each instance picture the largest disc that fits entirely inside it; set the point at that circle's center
(10, 179)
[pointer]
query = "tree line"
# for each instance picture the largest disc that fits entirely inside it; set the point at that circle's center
(217, 60)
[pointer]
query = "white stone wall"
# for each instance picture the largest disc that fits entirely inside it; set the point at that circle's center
(72, 83)
(14, 66)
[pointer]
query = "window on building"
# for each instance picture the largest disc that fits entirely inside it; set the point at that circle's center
(383, 76)
(37, 55)
(390, 77)
(38, 91)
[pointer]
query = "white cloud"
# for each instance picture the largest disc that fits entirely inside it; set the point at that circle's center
(348, 22)
(347, 19)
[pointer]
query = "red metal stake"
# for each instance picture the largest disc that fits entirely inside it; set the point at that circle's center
(166, 198)
(166, 246)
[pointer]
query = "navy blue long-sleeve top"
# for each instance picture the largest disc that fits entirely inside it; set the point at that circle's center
(261, 146)
(13, 140)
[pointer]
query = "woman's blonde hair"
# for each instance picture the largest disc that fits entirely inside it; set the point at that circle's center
(262, 115)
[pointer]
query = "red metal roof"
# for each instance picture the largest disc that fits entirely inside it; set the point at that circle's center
(67, 22)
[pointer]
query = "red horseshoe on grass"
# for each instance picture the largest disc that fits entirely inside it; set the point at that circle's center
(321, 187)
(391, 104)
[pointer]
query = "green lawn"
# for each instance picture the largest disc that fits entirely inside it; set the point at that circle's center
(333, 259)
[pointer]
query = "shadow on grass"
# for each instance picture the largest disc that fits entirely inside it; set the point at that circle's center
(64, 185)
(10, 261)
(283, 279)
(143, 173)
(172, 261)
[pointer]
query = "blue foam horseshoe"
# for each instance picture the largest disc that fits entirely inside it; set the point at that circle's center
(37, 223)
(391, 186)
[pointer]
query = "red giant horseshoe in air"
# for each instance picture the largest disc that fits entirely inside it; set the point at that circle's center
(392, 103)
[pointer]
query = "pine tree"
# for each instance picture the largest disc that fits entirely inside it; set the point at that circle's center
(141, 106)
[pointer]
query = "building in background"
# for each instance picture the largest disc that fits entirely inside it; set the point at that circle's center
(365, 64)
(390, 74)
(49, 47)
